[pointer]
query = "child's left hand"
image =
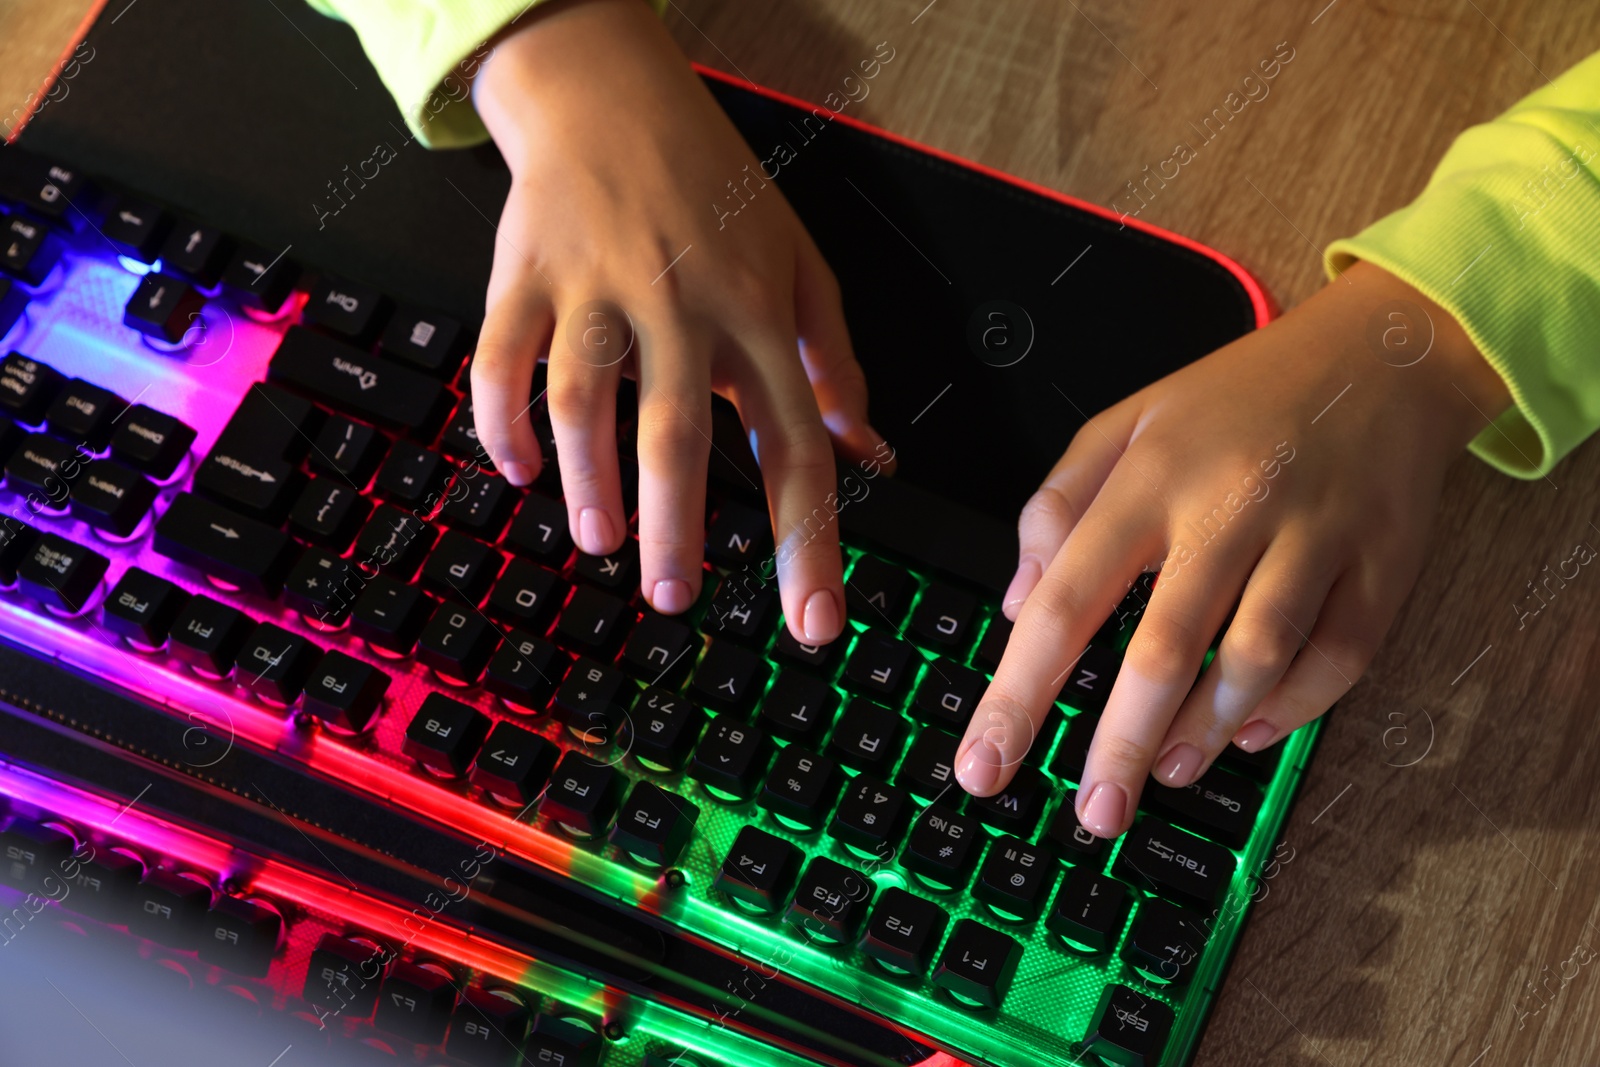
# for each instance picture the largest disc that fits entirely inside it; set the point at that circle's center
(1293, 473)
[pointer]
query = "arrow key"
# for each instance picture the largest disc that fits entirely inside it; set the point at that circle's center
(163, 307)
(136, 228)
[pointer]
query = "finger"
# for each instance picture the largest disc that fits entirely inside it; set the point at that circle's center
(674, 446)
(1052, 512)
(797, 465)
(829, 359)
(1158, 669)
(583, 416)
(516, 333)
(1337, 651)
(1278, 608)
(1081, 587)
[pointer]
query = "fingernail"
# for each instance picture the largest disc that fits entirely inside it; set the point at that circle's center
(1178, 766)
(594, 531)
(1028, 574)
(1104, 813)
(671, 596)
(978, 768)
(1255, 736)
(820, 618)
(517, 473)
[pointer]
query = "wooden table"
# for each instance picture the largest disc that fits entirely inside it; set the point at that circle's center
(1440, 906)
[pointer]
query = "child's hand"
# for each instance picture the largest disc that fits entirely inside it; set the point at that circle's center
(623, 171)
(1293, 473)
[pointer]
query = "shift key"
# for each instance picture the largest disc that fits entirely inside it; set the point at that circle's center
(358, 383)
(224, 544)
(1175, 864)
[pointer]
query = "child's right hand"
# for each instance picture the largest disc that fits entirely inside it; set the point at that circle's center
(619, 159)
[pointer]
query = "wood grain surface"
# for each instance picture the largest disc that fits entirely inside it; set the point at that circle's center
(1440, 905)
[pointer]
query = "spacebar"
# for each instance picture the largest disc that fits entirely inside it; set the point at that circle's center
(928, 528)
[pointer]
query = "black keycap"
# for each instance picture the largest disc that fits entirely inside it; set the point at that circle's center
(197, 252)
(43, 469)
(111, 498)
(354, 312)
(1067, 838)
(1259, 765)
(13, 302)
(872, 817)
(617, 573)
(479, 503)
(60, 574)
(1090, 682)
(584, 794)
(104, 885)
(729, 678)
(738, 536)
(241, 937)
(260, 279)
(1218, 805)
(16, 539)
(943, 618)
(82, 412)
(344, 692)
(1165, 941)
(800, 788)
(224, 544)
(943, 847)
(150, 441)
(663, 728)
(457, 642)
(1015, 878)
(562, 1043)
(798, 706)
(1128, 1028)
(393, 541)
(740, 614)
(593, 702)
(592, 621)
(819, 659)
(49, 190)
(31, 853)
(654, 825)
(1175, 864)
(350, 381)
(445, 735)
(731, 758)
(540, 529)
(27, 387)
(514, 764)
(343, 975)
(880, 664)
(993, 644)
(11, 435)
(526, 595)
(525, 670)
(206, 635)
(831, 900)
(904, 931)
(348, 450)
(977, 964)
(488, 1028)
(170, 909)
(868, 736)
(142, 607)
(274, 421)
(389, 614)
(1017, 807)
(1089, 910)
(414, 476)
(1067, 763)
(659, 648)
(414, 1003)
(28, 250)
(760, 870)
(329, 513)
(248, 480)
(1119, 626)
(460, 568)
(274, 663)
(929, 768)
(137, 228)
(163, 307)
(878, 593)
(460, 437)
(431, 343)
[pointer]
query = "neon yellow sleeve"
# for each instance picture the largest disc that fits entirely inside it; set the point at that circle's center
(1506, 237)
(426, 52)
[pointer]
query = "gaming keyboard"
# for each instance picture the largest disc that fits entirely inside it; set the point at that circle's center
(253, 559)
